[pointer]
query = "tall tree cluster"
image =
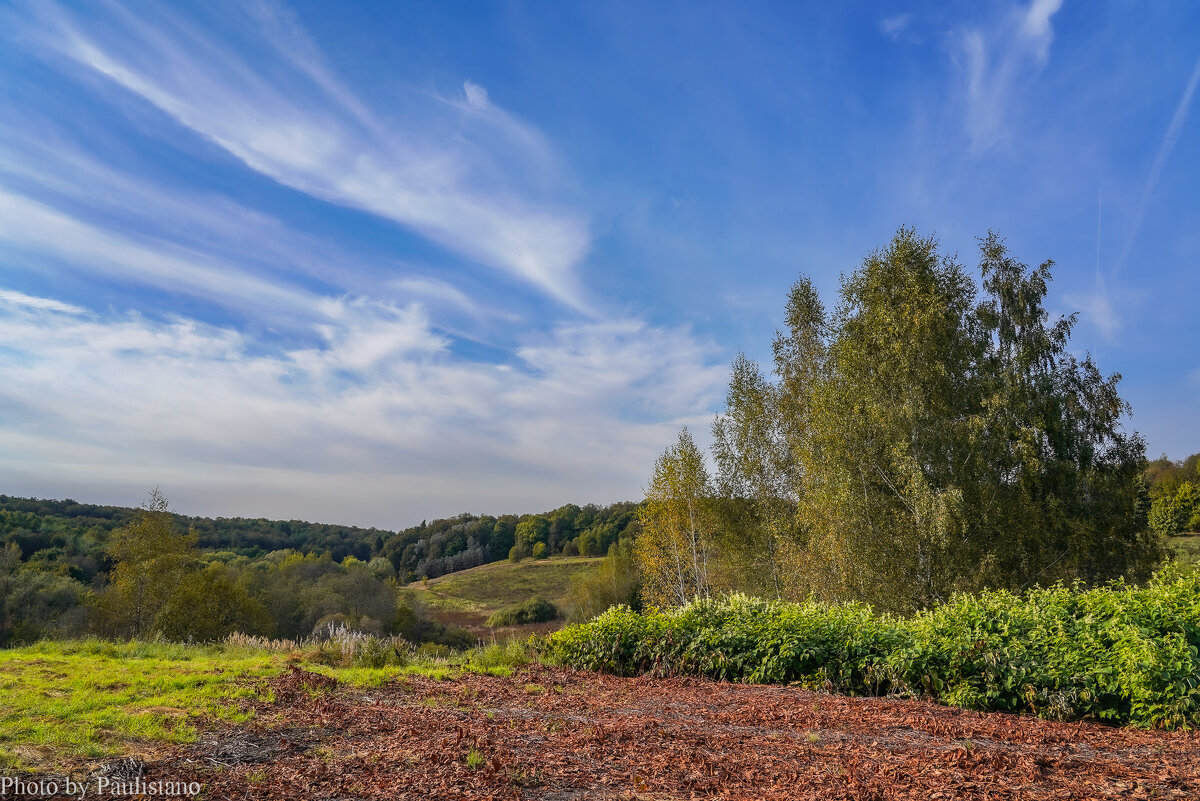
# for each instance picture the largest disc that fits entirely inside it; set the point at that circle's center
(923, 437)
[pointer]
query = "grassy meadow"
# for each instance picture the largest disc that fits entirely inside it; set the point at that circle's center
(76, 702)
(469, 597)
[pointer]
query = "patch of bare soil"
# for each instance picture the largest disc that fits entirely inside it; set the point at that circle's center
(558, 735)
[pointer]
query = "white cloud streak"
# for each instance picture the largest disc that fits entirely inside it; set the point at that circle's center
(894, 27)
(1164, 151)
(463, 174)
(996, 62)
(1097, 309)
(28, 224)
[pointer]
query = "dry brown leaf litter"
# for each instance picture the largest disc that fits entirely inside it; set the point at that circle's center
(559, 735)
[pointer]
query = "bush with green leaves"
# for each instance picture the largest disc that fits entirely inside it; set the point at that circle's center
(535, 610)
(511, 654)
(1178, 513)
(1120, 654)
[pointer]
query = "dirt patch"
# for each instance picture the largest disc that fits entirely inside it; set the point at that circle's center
(297, 683)
(584, 736)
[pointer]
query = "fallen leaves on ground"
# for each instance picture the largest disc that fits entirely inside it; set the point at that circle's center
(560, 735)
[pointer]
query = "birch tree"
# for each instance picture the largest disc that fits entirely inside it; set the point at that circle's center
(674, 549)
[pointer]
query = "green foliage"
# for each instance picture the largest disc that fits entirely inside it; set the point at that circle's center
(535, 610)
(209, 604)
(72, 540)
(1119, 653)
(1185, 552)
(499, 656)
(533, 530)
(36, 600)
(614, 582)
(153, 561)
(1172, 514)
(539, 551)
(756, 467)
(1164, 477)
(737, 638)
(82, 531)
(161, 586)
(673, 550)
(924, 438)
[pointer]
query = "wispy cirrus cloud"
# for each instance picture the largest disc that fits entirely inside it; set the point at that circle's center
(378, 415)
(896, 26)
(42, 165)
(318, 377)
(996, 62)
(1097, 309)
(458, 171)
(26, 224)
(1160, 159)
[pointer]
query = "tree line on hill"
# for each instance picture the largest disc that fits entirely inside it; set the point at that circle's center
(1174, 495)
(446, 546)
(68, 568)
(926, 436)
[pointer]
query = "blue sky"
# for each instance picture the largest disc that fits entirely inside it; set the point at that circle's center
(377, 262)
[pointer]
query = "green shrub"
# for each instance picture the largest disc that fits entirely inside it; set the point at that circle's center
(613, 582)
(1120, 654)
(535, 610)
(738, 638)
(433, 650)
(513, 654)
(417, 628)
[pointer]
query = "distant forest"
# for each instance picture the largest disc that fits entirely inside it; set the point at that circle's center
(60, 562)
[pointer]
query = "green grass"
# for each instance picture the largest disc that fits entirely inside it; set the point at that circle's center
(65, 703)
(1185, 549)
(90, 699)
(484, 590)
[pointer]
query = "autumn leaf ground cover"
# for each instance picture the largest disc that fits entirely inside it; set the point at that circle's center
(286, 729)
(553, 734)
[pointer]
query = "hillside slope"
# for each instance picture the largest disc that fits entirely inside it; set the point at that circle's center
(469, 597)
